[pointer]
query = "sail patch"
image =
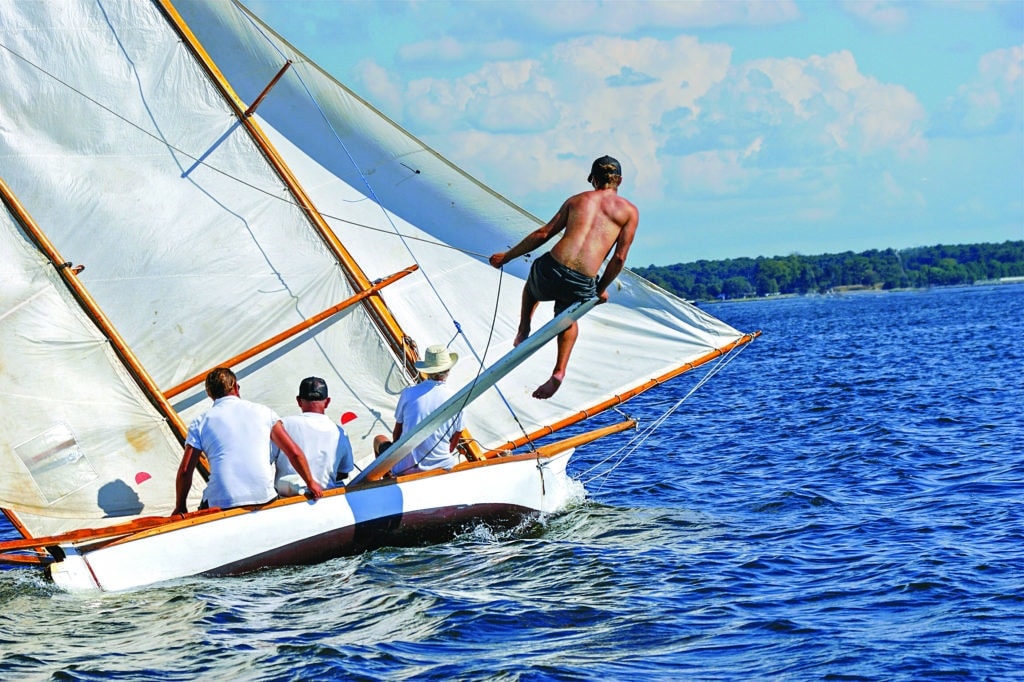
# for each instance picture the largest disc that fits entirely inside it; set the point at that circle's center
(56, 461)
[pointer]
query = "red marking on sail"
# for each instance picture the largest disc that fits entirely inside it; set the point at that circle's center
(142, 477)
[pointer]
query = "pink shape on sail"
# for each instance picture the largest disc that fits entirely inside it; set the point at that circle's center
(142, 477)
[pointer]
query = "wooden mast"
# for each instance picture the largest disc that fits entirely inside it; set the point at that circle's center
(378, 311)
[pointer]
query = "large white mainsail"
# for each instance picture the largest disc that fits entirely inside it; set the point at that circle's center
(353, 161)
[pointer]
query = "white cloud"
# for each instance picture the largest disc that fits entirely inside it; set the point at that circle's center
(716, 172)
(444, 49)
(680, 117)
(819, 105)
(450, 50)
(896, 194)
(880, 14)
(991, 104)
(380, 86)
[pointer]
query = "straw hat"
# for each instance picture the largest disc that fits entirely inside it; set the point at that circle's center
(437, 359)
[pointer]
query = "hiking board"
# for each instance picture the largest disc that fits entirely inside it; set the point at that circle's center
(458, 402)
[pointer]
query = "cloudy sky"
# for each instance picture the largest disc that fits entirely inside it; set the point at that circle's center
(745, 128)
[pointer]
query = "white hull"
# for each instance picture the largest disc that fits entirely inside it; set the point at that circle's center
(411, 511)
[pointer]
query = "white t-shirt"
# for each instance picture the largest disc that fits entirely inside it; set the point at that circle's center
(415, 404)
(235, 435)
(324, 443)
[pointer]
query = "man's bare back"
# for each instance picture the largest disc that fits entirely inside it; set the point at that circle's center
(593, 223)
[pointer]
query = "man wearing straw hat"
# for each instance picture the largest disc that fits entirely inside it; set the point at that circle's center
(594, 222)
(415, 404)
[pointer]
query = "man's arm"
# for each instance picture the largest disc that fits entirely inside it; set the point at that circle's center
(455, 440)
(279, 436)
(618, 259)
(536, 238)
(183, 481)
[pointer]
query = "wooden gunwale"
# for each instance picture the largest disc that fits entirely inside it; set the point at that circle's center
(378, 311)
(292, 331)
(154, 525)
(25, 559)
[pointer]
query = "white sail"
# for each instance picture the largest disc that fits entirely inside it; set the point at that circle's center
(120, 145)
(135, 166)
(81, 444)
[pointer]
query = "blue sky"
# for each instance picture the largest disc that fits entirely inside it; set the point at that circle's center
(744, 128)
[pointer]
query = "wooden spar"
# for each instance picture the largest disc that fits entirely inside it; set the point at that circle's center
(584, 438)
(16, 522)
(97, 316)
(270, 85)
(292, 331)
(379, 312)
(623, 397)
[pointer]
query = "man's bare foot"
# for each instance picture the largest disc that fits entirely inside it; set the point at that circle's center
(548, 388)
(520, 337)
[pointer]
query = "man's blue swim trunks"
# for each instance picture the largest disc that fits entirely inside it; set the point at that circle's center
(551, 281)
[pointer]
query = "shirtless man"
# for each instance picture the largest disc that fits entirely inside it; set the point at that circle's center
(594, 222)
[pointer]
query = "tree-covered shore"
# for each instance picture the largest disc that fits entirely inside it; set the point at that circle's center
(917, 267)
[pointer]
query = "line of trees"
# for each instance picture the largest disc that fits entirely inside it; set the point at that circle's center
(917, 267)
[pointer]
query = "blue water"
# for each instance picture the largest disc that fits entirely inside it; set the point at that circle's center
(841, 502)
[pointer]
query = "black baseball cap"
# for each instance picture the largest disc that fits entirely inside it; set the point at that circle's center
(604, 167)
(313, 388)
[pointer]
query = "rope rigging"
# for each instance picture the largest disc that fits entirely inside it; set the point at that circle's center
(200, 160)
(641, 436)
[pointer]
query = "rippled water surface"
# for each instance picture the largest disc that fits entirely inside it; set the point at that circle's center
(843, 501)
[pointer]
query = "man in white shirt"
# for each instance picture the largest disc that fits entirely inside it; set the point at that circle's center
(325, 444)
(236, 435)
(415, 404)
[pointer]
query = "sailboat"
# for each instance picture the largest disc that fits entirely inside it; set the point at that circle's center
(182, 189)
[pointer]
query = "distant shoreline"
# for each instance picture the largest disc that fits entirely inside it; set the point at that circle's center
(917, 268)
(861, 289)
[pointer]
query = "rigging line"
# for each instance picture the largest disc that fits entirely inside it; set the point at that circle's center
(637, 440)
(344, 147)
(487, 346)
(201, 162)
(490, 335)
(641, 437)
(479, 370)
(480, 365)
(634, 443)
(166, 144)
